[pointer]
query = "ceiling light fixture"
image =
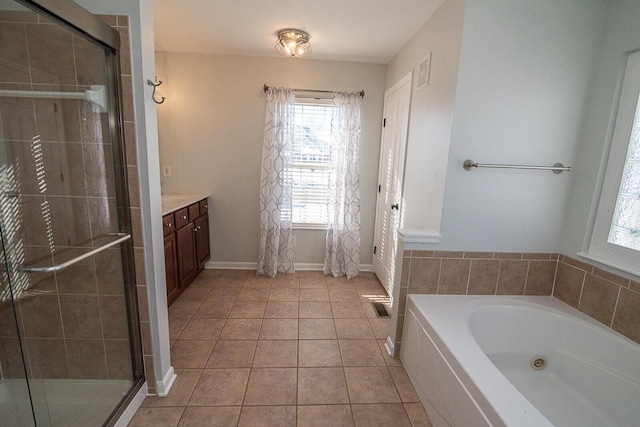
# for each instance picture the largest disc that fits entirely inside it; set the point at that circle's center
(292, 42)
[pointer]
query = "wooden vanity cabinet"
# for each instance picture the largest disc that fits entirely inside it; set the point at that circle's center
(187, 247)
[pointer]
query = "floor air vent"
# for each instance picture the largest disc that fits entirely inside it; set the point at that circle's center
(380, 309)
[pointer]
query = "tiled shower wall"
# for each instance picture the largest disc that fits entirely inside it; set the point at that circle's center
(68, 320)
(608, 298)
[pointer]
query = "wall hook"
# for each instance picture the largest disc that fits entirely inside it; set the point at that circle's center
(155, 86)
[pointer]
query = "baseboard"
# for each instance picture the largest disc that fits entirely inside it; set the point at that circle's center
(133, 407)
(163, 387)
(390, 347)
(301, 266)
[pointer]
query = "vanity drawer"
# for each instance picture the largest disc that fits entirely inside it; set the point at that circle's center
(204, 206)
(194, 211)
(182, 217)
(168, 224)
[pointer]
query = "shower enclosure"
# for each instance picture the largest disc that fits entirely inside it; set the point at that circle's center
(69, 331)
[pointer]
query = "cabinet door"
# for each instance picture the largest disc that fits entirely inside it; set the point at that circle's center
(187, 263)
(171, 267)
(202, 240)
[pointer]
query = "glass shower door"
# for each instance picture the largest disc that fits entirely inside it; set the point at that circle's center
(69, 343)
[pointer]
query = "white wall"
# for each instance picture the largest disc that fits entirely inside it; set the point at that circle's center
(431, 113)
(621, 35)
(522, 87)
(211, 131)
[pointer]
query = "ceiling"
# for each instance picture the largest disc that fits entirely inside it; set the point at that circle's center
(341, 30)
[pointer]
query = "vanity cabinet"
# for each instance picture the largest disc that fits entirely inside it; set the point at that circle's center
(186, 246)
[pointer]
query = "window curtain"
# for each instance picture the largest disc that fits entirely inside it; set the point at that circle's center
(276, 253)
(342, 255)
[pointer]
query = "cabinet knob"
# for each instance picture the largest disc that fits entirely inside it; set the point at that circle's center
(168, 224)
(206, 206)
(195, 230)
(183, 217)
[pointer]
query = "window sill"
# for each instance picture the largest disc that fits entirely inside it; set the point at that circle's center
(300, 226)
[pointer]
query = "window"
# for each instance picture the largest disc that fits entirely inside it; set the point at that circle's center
(311, 163)
(616, 235)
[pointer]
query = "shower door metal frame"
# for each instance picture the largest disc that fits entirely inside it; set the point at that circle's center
(75, 18)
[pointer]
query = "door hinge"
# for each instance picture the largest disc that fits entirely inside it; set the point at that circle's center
(384, 123)
(379, 187)
(375, 248)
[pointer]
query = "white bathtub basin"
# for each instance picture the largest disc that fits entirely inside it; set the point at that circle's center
(469, 358)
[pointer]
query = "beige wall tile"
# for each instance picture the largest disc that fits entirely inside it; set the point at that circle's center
(568, 285)
(454, 276)
(540, 277)
(599, 299)
(627, 315)
(483, 278)
(424, 275)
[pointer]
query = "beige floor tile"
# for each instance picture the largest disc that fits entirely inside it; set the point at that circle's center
(321, 386)
(276, 354)
(312, 279)
(237, 272)
(369, 311)
(317, 353)
(258, 284)
(347, 310)
(223, 294)
(220, 387)
(241, 329)
(247, 310)
(325, 415)
(403, 384)
(381, 328)
(232, 354)
(197, 291)
(339, 282)
(213, 310)
(279, 329)
(176, 326)
(284, 294)
(183, 309)
(191, 354)
(180, 392)
(157, 417)
(417, 415)
(315, 310)
(286, 281)
(281, 310)
(210, 416)
(253, 294)
(271, 386)
(354, 329)
(202, 329)
(384, 415)
(268, 416)
(314, 294)
(317, 329)
(371, 385)
(230, 282)
(361, 353)
(343, 295)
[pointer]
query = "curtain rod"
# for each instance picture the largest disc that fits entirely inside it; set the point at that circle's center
(266, 88)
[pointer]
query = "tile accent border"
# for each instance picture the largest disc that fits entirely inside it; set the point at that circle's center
(611, 299)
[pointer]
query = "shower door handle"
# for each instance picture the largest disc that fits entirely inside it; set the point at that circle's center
(60, 267)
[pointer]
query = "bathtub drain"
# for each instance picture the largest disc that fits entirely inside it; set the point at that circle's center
(539, 363)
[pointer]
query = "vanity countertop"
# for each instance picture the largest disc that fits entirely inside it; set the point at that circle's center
(173, 202)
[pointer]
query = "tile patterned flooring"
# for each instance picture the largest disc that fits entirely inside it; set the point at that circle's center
(299, 350)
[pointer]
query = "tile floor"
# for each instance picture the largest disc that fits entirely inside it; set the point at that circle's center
(298, 350)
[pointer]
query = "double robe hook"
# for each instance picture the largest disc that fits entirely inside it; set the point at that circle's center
(155, 86)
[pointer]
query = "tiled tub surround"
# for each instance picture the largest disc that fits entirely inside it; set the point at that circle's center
(89, 294)
(608, 298)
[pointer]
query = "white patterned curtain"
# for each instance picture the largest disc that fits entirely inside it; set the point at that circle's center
(276, 253)
(342, 254)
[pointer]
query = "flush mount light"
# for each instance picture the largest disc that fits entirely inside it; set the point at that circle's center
(293, 43)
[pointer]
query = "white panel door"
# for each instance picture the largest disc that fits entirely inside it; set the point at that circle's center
(397, 101)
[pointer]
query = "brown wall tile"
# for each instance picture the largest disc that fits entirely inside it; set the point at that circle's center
(512, 277)
(507, 255)
(448, 254)
(619, 280)
(483, 279)
(487, 255)
(87, 359)
(627, 315)
(454, 276)
(568, 285)
(423, 277)
(540, 277)
(599, 299)
(578, 264)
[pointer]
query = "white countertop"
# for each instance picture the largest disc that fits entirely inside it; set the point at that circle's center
(173, 202)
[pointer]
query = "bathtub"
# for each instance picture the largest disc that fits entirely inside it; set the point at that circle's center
(518, 362)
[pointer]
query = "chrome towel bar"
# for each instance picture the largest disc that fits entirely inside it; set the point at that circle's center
(60, 267)
(557, 168)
